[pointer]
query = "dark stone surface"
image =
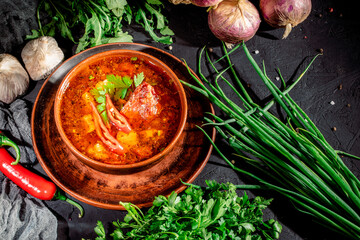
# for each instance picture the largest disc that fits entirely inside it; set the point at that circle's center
(337, 32)
(17, 18)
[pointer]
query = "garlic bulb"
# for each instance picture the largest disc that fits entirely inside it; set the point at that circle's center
(41, 56)
(14, 80)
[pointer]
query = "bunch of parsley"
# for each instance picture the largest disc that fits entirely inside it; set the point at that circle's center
(100, 21)
(214, 212)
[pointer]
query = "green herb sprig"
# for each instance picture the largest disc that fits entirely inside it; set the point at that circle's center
(117, 87)
(102, 21)
(214, 212)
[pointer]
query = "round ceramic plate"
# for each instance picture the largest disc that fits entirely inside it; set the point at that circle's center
(99, 189)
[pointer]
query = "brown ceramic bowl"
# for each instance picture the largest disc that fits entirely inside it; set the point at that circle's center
(113, 168)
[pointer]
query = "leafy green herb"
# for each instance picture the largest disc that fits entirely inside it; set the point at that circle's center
(117, 6)
(102, 20)
(149, 23)
(214, 212)
(138, 79)
(100, 231)
(117, 88)
(99, 96)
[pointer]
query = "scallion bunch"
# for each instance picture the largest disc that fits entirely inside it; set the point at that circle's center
(292, 156)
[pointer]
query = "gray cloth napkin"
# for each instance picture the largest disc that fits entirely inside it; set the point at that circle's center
(15, 123)
(21, 215)
(17, 18)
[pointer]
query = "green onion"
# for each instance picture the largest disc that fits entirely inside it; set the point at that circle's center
(291, 157)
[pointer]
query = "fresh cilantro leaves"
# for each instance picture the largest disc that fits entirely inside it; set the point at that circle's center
(102, 20)
(117, 87)
(213, 213)
(100, 231)
(138, 79)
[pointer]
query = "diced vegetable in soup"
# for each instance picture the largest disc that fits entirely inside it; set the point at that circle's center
(120, 110)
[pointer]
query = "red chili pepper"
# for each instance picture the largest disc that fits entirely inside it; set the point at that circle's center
(27, 180)
(115, 117)
(104, 133)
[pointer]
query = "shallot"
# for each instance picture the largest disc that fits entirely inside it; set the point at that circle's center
(205, 3)
(234, 21)
(285, 13)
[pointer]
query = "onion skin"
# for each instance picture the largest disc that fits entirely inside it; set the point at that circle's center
(285, 13)
(205, 3)
(234, 21)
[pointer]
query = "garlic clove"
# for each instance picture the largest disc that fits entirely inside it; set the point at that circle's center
(41, 56)
(14, 80)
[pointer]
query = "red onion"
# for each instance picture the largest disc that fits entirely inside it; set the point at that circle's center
(205, 3)
(233, 21)
(285, 13)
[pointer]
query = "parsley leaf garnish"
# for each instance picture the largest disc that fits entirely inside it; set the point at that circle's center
(138, 79)
(117, 87)
(214, 212)
(100, 231)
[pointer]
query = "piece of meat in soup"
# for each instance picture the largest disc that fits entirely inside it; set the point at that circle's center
(142, 105)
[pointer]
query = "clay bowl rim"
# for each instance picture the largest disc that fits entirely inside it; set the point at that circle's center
(112, 168)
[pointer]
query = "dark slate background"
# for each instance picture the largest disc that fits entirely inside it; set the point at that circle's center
(337, 32)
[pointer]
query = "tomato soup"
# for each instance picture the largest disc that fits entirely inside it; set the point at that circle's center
(120, 110)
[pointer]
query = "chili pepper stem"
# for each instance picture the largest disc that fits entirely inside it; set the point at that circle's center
(60, 196)
(5, 141)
